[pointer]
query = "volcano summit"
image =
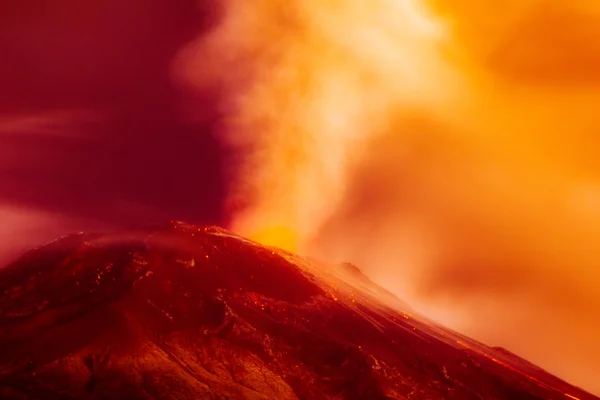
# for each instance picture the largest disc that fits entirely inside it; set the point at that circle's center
(187, 312)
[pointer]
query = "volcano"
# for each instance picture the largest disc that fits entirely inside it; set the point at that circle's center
(186, 312)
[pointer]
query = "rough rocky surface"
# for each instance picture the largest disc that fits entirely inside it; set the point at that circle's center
(186, 312)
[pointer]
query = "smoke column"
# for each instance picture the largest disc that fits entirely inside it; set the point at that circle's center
(448, 150)
(309, 83)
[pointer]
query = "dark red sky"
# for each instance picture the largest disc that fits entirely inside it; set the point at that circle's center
(99, 70)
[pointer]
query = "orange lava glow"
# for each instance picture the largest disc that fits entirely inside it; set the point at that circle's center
(278, 236)
(449, 146)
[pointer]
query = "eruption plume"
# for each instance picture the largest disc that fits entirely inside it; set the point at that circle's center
(309, 83)
(449, 148)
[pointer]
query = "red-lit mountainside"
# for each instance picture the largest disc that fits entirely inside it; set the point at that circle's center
(186, 312)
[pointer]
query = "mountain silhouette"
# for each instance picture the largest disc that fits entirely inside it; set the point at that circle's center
(186, 312)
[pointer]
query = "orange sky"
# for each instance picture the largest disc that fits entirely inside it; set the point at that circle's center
(447, 147)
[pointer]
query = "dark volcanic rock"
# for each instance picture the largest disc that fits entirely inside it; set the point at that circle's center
(181, 312)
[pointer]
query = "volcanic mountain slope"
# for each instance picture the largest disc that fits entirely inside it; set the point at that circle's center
(183, 312)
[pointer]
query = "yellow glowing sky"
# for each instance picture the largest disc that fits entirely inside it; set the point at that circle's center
(447, 146)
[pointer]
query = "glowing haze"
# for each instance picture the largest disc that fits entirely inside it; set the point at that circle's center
(449, 148)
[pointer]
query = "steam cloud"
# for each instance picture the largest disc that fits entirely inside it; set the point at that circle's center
(450, 152)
